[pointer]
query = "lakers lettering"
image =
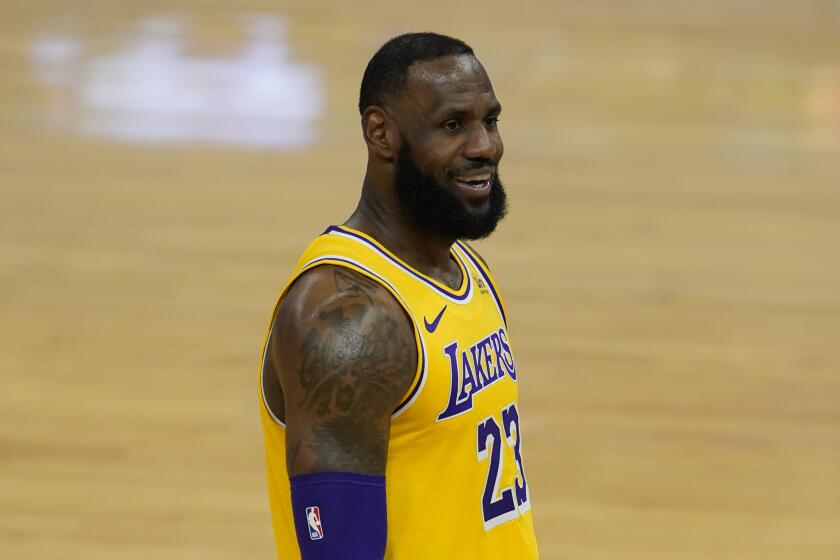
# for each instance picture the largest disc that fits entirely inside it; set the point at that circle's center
(475, 368)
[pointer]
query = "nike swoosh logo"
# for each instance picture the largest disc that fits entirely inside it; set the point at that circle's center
(432, 327)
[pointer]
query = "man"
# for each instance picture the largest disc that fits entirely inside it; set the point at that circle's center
(389, 388)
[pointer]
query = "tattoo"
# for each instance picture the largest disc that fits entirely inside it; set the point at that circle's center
(353, 368)
(292, 452)
(349, 284)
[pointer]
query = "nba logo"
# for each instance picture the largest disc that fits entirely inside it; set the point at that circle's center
(313, 519)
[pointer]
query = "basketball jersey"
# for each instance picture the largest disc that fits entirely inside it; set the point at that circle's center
(456, 484)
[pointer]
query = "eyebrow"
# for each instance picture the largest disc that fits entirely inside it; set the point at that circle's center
(494, 109)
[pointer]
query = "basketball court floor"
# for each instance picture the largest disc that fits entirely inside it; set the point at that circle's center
(671, 263)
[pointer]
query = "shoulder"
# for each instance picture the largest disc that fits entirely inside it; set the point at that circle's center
(323, 294)
(333, 320)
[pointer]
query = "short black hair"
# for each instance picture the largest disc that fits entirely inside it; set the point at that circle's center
(387, 71)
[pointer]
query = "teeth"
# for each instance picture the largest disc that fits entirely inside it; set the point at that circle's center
(464, 179)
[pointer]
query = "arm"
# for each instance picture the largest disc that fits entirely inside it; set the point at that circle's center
(345, 355)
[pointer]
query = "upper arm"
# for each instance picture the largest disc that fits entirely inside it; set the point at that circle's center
(345, 354)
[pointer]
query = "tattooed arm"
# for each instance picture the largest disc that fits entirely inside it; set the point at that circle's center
(344, 353)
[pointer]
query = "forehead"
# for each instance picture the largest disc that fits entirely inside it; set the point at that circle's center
(448, 82)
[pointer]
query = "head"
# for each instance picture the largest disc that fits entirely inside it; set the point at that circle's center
(429, 115)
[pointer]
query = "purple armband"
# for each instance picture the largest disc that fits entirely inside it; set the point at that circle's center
(339, 515)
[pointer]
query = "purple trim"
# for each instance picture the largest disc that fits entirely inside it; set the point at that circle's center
(443, 290)
(416, 326)
(487, 279)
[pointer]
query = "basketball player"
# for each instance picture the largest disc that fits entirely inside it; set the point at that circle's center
(389, 387)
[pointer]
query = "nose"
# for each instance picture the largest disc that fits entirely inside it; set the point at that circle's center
(480, 144)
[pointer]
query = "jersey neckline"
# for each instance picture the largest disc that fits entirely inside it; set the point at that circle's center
(459, 294)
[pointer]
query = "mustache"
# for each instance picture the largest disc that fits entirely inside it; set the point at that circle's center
(478, 164)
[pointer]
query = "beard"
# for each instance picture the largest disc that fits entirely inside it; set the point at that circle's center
(436, 209)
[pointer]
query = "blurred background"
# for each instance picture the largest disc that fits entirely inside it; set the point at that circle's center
(671, 262)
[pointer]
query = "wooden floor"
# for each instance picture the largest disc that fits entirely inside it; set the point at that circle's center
(671, 264)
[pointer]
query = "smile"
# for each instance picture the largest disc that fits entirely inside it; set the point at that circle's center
(475, 185)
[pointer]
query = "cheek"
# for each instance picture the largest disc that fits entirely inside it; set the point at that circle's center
(439, 161)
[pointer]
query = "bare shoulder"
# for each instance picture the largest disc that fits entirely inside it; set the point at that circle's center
(344, 352)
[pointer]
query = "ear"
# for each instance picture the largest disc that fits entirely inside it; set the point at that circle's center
(381, 132)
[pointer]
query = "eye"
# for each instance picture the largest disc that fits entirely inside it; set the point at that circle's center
(491, 122)
(452, 126)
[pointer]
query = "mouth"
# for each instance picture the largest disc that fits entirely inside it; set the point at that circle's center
(474, 185)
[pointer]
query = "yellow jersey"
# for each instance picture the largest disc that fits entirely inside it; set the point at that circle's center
(456, 485)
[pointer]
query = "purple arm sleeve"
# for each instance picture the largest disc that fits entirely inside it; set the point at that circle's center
(339, 515)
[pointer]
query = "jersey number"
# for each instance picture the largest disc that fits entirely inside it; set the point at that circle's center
(498, 507)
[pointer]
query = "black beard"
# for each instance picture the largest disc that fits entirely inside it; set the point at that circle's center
(436, 209)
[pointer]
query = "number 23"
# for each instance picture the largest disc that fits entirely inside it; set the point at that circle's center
(512, 502)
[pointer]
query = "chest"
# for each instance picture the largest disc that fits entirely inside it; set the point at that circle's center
(468, 365)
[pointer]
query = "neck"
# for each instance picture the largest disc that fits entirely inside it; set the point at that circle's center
(379, 215)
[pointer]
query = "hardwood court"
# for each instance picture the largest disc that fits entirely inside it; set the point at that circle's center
(670, 263)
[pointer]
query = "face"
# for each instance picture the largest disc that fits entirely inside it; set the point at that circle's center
(446, 174)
